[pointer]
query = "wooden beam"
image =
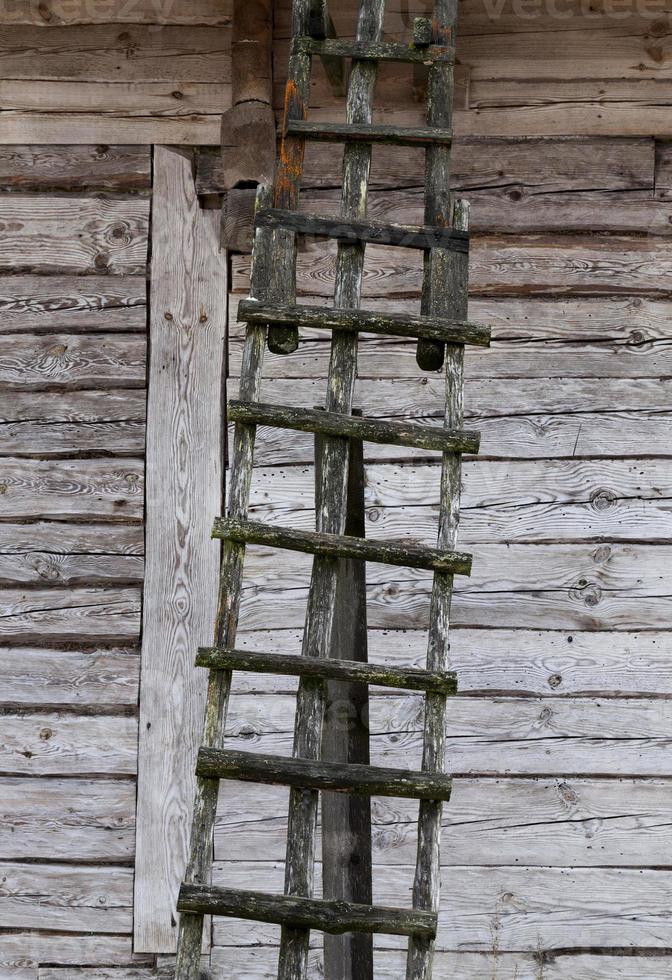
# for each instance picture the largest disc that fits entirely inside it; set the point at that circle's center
(188, 302)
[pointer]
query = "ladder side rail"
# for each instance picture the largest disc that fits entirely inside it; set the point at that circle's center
(199, 866)
(440, 95)
(287, 185)
(448, 294)
(331, 516)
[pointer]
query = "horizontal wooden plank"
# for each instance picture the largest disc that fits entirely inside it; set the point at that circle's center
(67, 423)
(558, 586)
(98, 676)
(260, 963)
(478, 17)
(67, 819)
(600, 906)
(545, 822)
(543, 165)
(44, 168)
(66, 898)
(79, 615)
(43, 567)
(83, 127)
(61, 12)
(61, 538)
(598, 435)
(534, 501)
(71, 303)
(79, 361)
(33, 947)
(421, 397)
(577, 119)
(575, 265)
(145, 99)
(555, 318)
(517, 209)
(513, 359)
(57, 744)
(551, 663)
(85, 489)
(494, 736)
(107, 52)
(79, 234)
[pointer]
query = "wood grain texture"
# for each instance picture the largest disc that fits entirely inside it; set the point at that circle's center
(549, 663)
(184, 491)
(598, 903)
(260, 964)
(96, 677)
(71, 304)
(61, 12)
(18, 948)
(34, 362)
(65, 898)
(67, 819)
(83, 127)
(58, 744)
(490, 822)
(72, 490)
(542, 165)
(45, 168)
(60, 615)
(73, 234)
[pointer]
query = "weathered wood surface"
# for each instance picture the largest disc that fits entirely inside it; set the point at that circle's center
(511, 901)
(71, 304)
(58, 744)
(49, 424)
(43, 168)
(18, 948)
(100, 676)
(65, 898)
(86, 489)
(63, 12)
(489, 822)
(492, 736)
(74, 234)
(37, 361)
(59, 615)
(562, 165)
(185, 482)
(541, 265)
(516, 661)
(67, 820)
(259, 964)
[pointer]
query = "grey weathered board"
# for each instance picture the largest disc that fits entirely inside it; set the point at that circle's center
(184, 491)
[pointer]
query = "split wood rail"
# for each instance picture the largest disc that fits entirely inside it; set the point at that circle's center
(274, 318)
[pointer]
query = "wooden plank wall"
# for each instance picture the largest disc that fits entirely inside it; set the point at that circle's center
(130, 71)
(73, 254)
(556, 838)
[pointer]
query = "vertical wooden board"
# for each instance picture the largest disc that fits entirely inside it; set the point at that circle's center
(184, 489)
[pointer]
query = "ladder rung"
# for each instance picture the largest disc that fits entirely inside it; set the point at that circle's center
(388, 324)
(406, 678)
(375, 51)
(342, 546)
(336, 777)
(354, 427)
(334, 917)
(341, 230)
(328, 132)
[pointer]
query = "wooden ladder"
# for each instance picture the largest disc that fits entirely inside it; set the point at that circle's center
(273, 317)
